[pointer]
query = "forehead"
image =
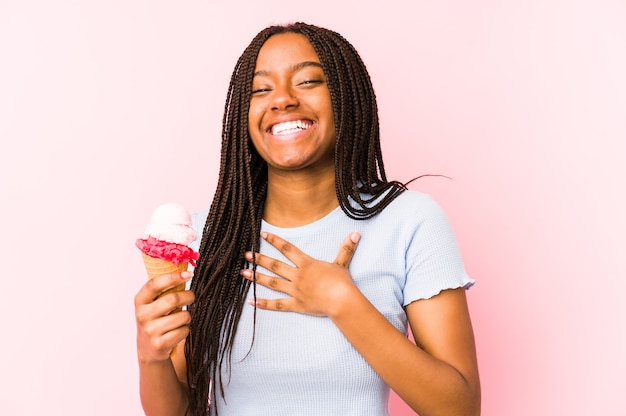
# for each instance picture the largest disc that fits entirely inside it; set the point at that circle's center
(285, 49)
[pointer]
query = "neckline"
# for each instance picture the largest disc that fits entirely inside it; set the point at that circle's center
(269, 227)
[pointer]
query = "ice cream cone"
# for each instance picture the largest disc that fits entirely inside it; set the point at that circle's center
(165, 246)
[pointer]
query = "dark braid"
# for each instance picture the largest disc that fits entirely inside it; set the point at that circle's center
(359, 170)
(234, 221)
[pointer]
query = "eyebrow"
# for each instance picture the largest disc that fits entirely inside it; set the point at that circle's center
(294, 68)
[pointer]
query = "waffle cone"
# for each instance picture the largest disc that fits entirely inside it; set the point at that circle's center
(157, 267)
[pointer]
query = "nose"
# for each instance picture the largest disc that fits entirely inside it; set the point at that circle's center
(284, 97)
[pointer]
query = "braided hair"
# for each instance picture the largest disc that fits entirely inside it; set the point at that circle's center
(234, 221)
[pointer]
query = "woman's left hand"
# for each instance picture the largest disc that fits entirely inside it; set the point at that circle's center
(314, 287)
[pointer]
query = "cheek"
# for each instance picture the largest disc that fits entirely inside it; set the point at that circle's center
(255, 134)
(327, 104)
(330, 117)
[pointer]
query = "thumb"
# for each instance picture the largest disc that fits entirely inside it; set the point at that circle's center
(347, 249)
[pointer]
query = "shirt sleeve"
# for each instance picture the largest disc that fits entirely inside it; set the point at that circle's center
(198, 219)
(433, 259)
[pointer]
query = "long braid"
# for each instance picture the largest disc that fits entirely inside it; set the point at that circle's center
(356, 122)
(234, 221)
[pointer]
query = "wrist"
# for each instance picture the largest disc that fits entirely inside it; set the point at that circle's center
(345, 300)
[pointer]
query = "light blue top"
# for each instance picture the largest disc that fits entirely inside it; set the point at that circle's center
(303, 365)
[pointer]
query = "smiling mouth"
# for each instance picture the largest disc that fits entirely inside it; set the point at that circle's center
(290, 127)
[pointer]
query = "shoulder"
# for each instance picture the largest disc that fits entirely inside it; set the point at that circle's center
(415, 198)
(412, 217)
(414, 207)
(198, 220)
(420, 223)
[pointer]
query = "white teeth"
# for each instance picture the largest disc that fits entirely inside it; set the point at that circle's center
(289, 127)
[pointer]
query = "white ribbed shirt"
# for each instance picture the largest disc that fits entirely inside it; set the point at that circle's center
(303, 365)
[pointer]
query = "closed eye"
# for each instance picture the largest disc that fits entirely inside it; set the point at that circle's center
(260, 90)
(311, 81)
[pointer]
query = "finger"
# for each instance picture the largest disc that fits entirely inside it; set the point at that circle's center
(171, 339)
(173, 302)
(167, 323)
(275, 283)
(175, 321)
(274, 304)
(290, 251)
(156, 286)
(271, 264)
(164, 306)
(160, 336)
(347, 249)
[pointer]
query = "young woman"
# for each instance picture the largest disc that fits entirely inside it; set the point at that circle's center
(312, 263)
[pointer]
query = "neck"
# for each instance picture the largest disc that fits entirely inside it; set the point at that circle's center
(299, 199)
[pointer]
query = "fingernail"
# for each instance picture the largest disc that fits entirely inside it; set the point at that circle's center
(186, 275)
(264, 235)
(355, 237)
(248, 256)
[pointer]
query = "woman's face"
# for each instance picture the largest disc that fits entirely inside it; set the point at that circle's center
(291, 117)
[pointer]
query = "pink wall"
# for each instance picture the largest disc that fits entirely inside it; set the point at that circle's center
(109, 108)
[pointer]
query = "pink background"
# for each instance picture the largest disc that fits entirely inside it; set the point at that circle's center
(108, 108)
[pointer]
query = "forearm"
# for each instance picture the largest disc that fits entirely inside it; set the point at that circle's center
(429, 385)
(162, 393)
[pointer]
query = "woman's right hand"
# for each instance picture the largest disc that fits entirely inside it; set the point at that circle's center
(158, 330)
